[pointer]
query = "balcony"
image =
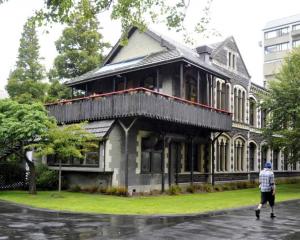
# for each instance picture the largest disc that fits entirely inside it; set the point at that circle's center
(140, 102)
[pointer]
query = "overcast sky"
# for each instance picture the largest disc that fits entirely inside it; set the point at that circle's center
(243, 19)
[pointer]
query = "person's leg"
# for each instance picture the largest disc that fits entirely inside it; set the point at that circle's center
(272, 204)
(262, 202)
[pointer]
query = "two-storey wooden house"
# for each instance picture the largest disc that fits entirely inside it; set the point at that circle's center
(164, 114)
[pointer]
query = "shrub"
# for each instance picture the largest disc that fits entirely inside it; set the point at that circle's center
(174, 190)
(75, 188)
(207, 188)
(241, 185)
(111, 190)
(102, 190)
(218, 188)
(191, 189)
(46, 179)
(121, 191)
(155, 192)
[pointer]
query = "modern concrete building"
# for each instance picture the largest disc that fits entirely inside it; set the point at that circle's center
(280, 36)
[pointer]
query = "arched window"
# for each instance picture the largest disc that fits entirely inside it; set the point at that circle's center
(243, 106)
(227, 98)
(223, 96)
(285, 160)
(264, 154)
(263, 117)
(236, 105)
(222, 154)
(218, 95)
(239, 155)
(252, 112)
(275, 158)
(240, 106)
(252, 156)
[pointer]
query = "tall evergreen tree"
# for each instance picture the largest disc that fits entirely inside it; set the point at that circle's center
(24, 83)
(81, 46)
(28, 66)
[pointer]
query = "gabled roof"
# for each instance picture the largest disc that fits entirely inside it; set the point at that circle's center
(220, 45)
(174, 52)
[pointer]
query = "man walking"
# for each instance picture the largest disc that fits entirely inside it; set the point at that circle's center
(267, 188)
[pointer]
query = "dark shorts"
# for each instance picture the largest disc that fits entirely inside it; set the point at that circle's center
(267, 197)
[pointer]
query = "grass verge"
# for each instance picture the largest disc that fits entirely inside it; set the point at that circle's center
(163, 204)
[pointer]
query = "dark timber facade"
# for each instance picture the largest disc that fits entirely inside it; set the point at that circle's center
(166, 114)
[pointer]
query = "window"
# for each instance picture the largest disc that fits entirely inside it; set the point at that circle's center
(275, 159)
(188, 158)
(239, 155)
(119, 83)
(222, 152)
(239, 104)
(231, 60)
(276, 48)
(285, 160)
(252, 156)
(264, 151)
(296, 27)
(252, 113)
(191, 89)
(149, 82)
(92, 158)
(78, 93)
(263, 118)
(151, 155)
(235, 105)
(296, 43)
(277, 33)
(270, 34)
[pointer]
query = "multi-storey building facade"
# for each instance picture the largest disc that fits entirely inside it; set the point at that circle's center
(166, 114)
(280, 36)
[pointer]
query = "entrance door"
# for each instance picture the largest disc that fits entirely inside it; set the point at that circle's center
(175, 163)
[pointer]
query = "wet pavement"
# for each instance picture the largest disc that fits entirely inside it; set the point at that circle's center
(17, 222)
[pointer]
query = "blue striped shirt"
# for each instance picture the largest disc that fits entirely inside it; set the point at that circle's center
(266, 180)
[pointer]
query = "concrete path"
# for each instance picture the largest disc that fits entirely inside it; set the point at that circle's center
(17, 222)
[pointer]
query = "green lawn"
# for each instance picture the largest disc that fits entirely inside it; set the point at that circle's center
(180, 204)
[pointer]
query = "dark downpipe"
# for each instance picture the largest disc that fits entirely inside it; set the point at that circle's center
(163, 165)
(192, 161)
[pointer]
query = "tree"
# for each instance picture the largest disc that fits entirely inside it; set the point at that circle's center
(20, 126)
(27, 127)
(81, 45)
(27, 91)
(283, 105)
(138, 13)
(65, 142)
(24, 83)
(57, 90)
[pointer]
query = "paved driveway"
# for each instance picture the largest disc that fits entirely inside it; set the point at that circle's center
(18, 222)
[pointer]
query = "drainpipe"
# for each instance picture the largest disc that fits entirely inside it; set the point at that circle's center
(192, 161)
(163, 165)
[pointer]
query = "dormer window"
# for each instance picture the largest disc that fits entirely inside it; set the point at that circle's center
(231, 60)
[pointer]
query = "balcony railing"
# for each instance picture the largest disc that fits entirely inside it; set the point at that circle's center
(140, 102)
